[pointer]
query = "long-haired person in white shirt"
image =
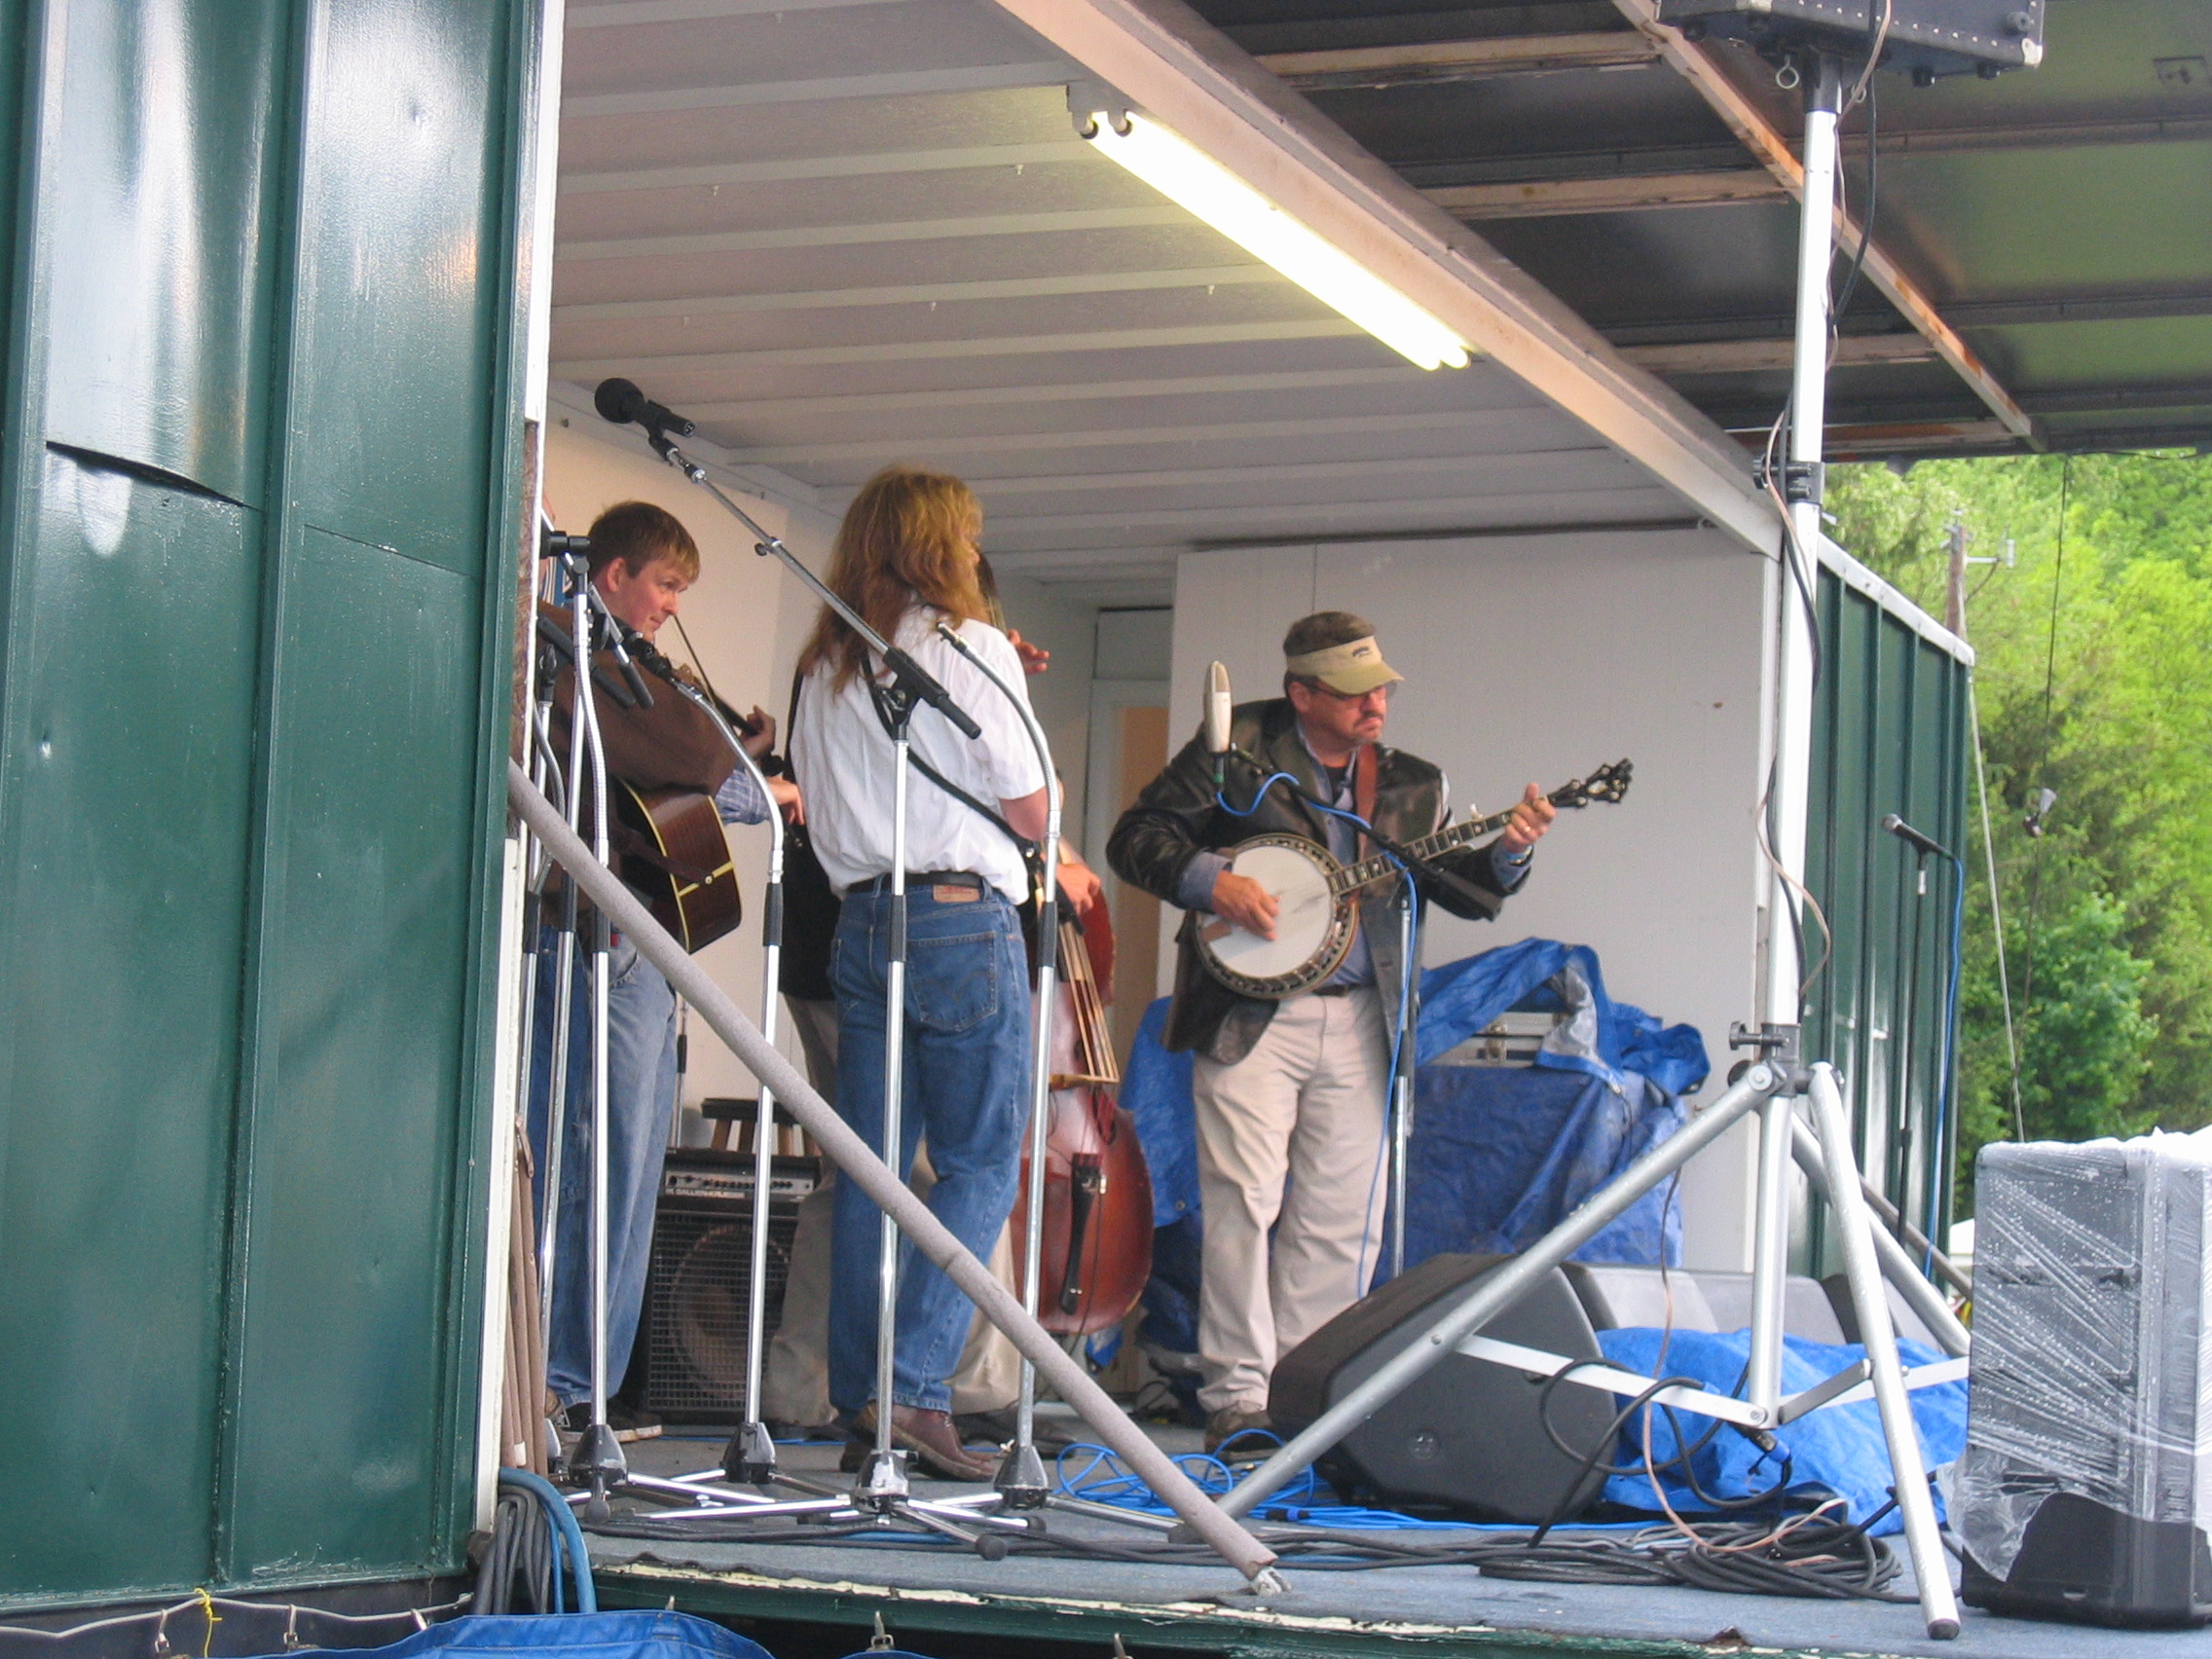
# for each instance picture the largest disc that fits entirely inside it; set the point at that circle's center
(906, 558)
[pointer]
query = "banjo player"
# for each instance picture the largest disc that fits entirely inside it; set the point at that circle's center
(1294, 1089)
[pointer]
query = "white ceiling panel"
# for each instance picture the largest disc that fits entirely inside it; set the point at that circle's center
(842, 234)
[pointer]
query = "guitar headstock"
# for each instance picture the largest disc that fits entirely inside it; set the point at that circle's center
(1608, 784)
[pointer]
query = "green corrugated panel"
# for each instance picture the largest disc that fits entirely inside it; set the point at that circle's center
(257, 504)
(1889, 735)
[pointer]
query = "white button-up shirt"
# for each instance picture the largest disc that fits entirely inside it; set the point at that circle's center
(843, 759)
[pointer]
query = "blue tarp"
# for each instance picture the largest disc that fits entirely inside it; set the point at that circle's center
(1606, 1039)
(1500, 1154)
(578, 1635)
(1839, 1448)
(1156, 1091)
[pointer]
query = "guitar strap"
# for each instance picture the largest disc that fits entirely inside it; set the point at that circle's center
(1363, 790)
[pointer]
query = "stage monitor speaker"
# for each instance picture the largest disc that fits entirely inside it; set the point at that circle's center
(1926, 37)
(1465, 1435)
(692, 1337)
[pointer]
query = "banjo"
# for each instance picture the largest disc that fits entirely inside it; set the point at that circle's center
(1319, 897)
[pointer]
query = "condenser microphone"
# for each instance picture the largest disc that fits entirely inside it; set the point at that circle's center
(1912, 837)
(620, 402)
(1217, 721)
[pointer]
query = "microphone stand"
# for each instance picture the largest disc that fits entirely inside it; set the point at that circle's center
(750, 1456)
(537, 868)
(598, 1456)
(882, 1493)
(1020, 1482)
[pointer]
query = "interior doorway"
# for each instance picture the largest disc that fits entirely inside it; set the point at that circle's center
(1129, 746)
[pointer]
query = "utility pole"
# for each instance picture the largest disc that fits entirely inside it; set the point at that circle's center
(1954, 584)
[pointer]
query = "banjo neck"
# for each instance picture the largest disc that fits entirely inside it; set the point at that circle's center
(1607, 784)
(1376, 868)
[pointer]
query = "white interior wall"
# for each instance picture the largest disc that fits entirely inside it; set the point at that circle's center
(1536, 658)
(1061, 694)
(748, 616)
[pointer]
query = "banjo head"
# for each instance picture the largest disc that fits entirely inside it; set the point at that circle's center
(1313, 930)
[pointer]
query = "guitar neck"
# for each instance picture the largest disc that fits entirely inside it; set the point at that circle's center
(1369, 870)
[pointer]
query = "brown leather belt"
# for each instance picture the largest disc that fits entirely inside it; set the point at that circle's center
(927, 878)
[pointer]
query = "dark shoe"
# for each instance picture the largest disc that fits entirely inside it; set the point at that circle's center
(929, 1438)
(1233, 1422)
(629, 1422)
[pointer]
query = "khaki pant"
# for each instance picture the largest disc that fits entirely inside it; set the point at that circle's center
(1303, 1110)
(794, 1382)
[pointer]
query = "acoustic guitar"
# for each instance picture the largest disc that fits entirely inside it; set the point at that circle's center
(670, 846)
(1318, 898)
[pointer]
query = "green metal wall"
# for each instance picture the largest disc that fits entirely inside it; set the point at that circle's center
(1890, 734)
(257, 500)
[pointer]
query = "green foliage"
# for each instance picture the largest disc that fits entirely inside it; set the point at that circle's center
(2092, 681)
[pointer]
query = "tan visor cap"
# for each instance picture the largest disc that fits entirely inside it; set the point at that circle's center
(1353, 668)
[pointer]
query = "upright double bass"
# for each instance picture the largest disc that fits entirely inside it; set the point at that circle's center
(1097, 1231)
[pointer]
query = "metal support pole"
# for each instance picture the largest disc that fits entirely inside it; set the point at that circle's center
(1930, 1564)
(879, 1182)
(1770, 1251)
(1801, 490)
(1898, 1266)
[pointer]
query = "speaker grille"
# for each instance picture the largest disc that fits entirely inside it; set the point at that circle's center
(698, 1286)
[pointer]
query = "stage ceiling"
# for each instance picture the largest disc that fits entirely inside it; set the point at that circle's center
(844, 232)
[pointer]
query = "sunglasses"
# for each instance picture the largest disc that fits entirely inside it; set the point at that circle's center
(1385, 693)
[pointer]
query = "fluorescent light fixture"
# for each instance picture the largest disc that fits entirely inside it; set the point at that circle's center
(1196, 183)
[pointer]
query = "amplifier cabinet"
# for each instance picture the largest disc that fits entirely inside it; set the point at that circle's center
(692, 1340)
(2085, 1486)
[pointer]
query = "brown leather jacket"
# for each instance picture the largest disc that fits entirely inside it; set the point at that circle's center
(1176, 817)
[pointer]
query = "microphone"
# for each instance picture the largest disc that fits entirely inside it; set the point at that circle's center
(1217, 707)
(1913, 838)
(620, 402)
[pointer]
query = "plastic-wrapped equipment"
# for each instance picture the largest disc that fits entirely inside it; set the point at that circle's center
(2085, 1490)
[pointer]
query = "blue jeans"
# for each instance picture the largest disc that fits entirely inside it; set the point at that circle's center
(966, 1085)
(640, 1102)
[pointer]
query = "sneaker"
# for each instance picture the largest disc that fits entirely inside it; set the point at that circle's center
(1232, 1422)
(629, 1422)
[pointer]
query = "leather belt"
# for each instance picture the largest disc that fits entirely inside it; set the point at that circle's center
(927, 878)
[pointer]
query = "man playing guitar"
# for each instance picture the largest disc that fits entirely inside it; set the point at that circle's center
(1295, 1089)
(641, 560)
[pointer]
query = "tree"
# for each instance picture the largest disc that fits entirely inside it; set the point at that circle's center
(2092, 681)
